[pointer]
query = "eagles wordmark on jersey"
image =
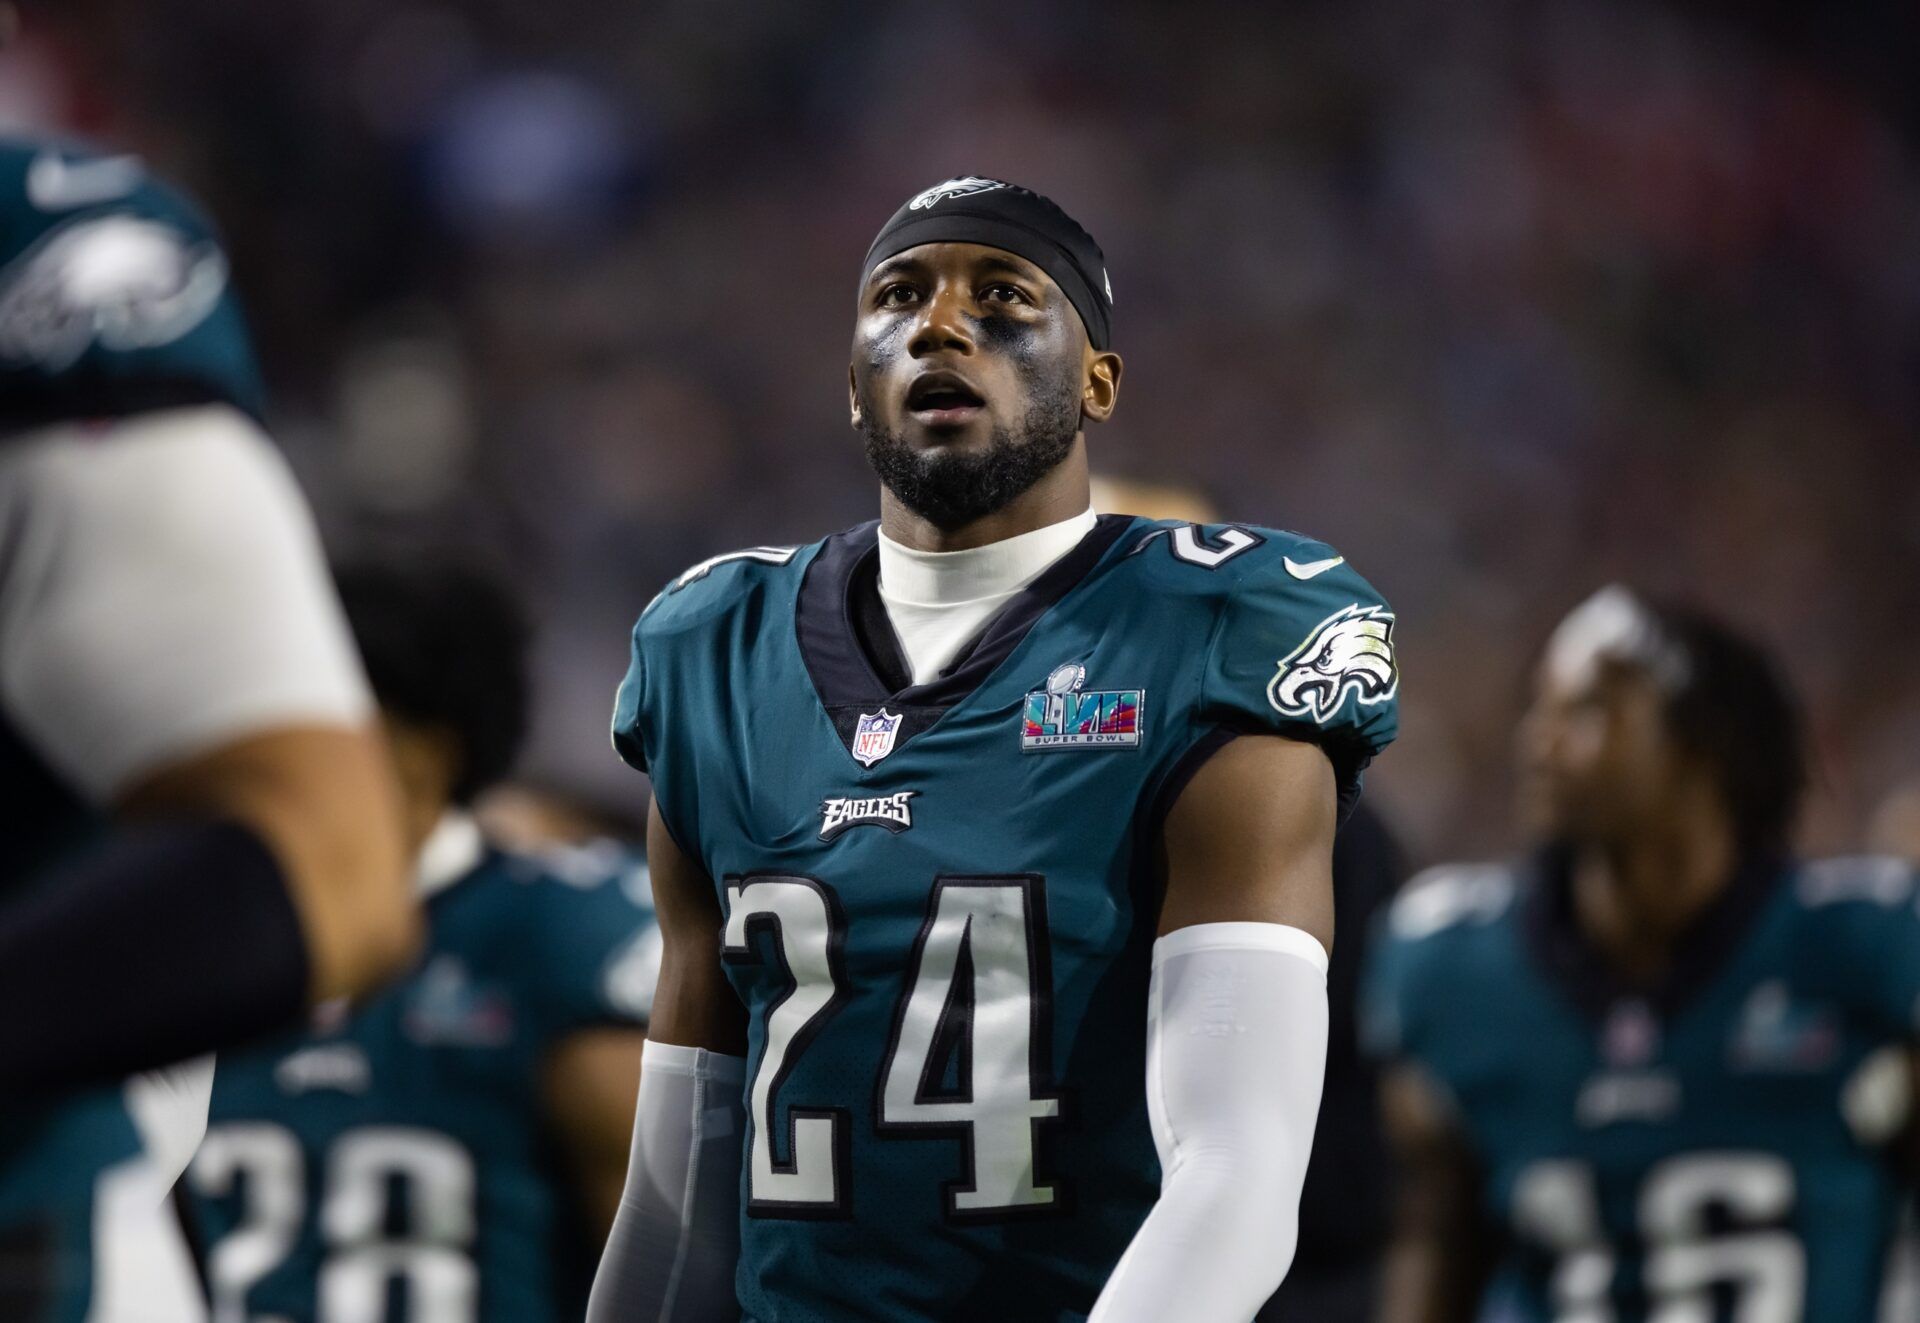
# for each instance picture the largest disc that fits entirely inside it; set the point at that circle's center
(1705, 1150)
(940, 900)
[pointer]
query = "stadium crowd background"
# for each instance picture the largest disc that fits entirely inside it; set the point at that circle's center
(1504, 300)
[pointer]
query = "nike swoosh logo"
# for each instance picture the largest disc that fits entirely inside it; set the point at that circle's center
(57, 184)
(1312, 567)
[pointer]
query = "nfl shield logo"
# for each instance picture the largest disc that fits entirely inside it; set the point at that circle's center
(873, 737)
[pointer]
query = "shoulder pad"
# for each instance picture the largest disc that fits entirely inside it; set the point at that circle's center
(1448, 896)
(764, 555)
(1236, 551)
(1303, 645)
(587, 938)
(720, 572)
(115, 295)
(1880, 879)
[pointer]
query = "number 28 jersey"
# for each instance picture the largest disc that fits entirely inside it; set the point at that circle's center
(393, 1164)
(940, 900)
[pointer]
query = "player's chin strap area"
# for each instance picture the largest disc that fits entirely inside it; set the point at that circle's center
(676, 1240)
(1236, 1047)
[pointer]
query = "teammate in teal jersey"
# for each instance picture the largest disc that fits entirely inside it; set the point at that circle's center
(199, 836)
(991, 845)
(1658, 1072)
(453, 1149)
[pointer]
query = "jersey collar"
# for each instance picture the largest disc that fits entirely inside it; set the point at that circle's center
(1701, 952)
(834, 622)
(953, 578)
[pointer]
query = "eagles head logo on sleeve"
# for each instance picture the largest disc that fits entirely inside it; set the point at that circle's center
(124, 282)
(1351, 651)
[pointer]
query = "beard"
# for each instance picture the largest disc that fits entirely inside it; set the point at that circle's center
(950, 490)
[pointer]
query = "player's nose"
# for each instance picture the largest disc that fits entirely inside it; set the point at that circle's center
(942, 326)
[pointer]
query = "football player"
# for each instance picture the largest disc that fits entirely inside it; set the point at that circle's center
(1658, 1072)
(453, 1148)
(991, 845)
(201, 834)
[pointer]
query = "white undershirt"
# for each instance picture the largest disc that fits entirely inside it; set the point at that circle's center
(452, 849)
(163, 594)
(940, 600)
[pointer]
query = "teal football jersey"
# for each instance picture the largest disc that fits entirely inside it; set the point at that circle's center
(114, 298)
(940, 899)
(115, 295)
(394, 1165)
(1707, 1149)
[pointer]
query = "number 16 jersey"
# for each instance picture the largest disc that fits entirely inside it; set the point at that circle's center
(940, 899)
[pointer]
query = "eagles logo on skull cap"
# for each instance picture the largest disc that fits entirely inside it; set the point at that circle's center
(954, 188)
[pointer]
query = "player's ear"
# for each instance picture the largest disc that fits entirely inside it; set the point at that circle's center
(1102, 389)
(853, 399)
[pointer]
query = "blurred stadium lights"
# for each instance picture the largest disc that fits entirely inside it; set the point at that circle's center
(530, 157)
(405, 423)
(409, 64)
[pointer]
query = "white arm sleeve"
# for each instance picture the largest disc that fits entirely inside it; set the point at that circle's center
(676, 1239)
(1236, 1048)
(162, 592)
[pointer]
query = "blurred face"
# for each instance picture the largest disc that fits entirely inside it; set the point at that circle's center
(1596, 760)
(970, 375)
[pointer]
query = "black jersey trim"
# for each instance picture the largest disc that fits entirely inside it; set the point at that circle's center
(31, 406)
(1184, 769)
(1569, 960)
(838, 618)
(1147, 876)
(873, 628)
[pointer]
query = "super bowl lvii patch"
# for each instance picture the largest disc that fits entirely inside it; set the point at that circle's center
(1065, 715)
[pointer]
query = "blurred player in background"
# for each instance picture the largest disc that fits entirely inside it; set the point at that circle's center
(1343, 1205)
(1660, 1072)
(533, 815)
(453, 1148)
(993, 850)
(201, 835)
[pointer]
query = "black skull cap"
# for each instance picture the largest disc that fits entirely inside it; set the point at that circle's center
(974, 209)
